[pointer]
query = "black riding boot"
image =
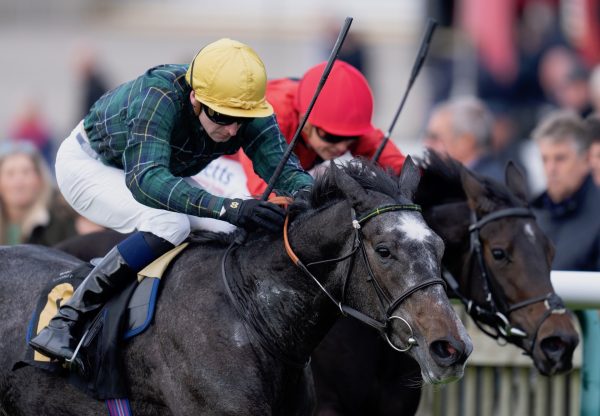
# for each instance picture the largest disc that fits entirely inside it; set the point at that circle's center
(59, 339)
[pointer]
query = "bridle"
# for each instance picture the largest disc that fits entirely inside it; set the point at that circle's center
(495, 313)
(387, 305)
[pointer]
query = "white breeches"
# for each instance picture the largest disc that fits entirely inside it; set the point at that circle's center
(98, 192)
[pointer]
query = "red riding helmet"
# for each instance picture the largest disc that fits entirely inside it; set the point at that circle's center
(345, 105)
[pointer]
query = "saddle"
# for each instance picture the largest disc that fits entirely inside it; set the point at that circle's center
(126, 315)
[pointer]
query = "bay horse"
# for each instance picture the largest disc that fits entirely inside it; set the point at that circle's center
(239, 345)
(497, 262)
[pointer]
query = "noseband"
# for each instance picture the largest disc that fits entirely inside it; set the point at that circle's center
(490, 314)
(387, 304)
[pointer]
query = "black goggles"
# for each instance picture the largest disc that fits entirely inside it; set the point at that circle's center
(223, 119)
(333, 138)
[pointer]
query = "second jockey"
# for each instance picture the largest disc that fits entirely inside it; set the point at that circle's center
(339, 122)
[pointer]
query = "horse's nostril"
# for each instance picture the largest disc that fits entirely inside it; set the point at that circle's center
(446, 353)
(558, 354)
(553, 345)
(443, 349)
(558, 351)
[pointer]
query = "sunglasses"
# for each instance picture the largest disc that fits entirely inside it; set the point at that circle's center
(333, 138)
(223, 119)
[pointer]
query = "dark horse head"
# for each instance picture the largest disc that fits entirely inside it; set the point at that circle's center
(392, 282)
(232, 333)
(500, 259)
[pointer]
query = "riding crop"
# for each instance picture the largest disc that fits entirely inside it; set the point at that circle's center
(423, 49)
(334, 53)
(242, 234)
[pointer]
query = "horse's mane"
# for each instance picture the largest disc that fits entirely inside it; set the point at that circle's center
(441, 183)
(205, 237)
(368, 175)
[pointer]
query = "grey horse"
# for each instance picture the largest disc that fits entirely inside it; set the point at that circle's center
(202, 356)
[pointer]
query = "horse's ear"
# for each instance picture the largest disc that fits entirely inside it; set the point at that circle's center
(476, 192)
(515, 180)
(355, 193)
(409, 178)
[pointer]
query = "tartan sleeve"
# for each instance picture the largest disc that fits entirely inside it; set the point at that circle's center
(265, 145)
(146, 158)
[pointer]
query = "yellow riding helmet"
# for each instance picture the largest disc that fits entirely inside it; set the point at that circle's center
(229, 77)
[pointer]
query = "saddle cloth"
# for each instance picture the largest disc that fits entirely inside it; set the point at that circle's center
(123, 317)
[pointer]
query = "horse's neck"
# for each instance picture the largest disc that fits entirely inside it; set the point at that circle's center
(283, 303)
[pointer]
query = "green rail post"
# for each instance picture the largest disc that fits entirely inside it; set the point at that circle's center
(590, 365)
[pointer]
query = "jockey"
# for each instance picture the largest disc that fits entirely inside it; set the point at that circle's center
(126, 166)
(339, 122)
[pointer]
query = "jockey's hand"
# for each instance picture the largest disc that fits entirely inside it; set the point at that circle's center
(252, 213)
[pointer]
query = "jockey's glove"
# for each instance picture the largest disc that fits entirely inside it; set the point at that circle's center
(253, 213)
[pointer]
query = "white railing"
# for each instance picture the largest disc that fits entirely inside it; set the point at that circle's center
(579, 290)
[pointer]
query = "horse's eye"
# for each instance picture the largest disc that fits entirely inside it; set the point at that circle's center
(383, 252)
(498, 254)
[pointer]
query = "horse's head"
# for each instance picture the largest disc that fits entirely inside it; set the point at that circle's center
(391, 277)
(502, 261)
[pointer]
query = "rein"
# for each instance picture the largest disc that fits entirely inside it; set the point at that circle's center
(491, 314)
(387, 305)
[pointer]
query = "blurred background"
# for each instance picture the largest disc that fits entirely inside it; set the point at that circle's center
(522, 57)
(54, 52)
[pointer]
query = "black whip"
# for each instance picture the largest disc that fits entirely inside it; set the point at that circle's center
(431, 25)
(326, 71)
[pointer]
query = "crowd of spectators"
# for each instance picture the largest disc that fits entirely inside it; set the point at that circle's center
(32, 210)
(533, 81)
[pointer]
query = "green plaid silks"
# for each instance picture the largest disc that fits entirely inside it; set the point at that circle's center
(147, 127)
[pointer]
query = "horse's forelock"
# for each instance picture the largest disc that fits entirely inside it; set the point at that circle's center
(440, 180)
